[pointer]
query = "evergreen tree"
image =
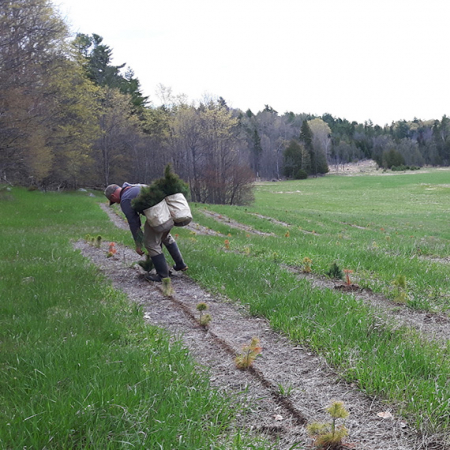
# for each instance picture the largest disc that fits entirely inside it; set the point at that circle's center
(256, 151)
(306, 138)
(99, 69)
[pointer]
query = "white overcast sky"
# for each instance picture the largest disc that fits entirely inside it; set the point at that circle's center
(383, 60)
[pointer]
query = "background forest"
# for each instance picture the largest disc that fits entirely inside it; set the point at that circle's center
(69, 118)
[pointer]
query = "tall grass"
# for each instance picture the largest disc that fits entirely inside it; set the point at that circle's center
(78, 366)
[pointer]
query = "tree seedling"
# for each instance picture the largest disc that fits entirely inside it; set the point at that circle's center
(111, 250)
(147, 263)
(347, 276)
(248, 355)
(400, 289)
(204, 319)
(307, 264)
(167, 288)
(335, 272)
(327, 435)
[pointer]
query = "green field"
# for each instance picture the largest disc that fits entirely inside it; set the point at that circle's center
(76, 358)
(78, 366)
(381, 227)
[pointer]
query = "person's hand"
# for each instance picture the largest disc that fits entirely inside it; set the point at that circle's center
(139, 251)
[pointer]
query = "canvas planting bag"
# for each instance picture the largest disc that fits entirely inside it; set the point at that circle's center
(159, 217)
(179, 209)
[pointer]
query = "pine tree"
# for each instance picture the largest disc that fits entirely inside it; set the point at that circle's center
(306, 138)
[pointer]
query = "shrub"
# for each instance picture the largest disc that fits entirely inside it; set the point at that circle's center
(301, 175)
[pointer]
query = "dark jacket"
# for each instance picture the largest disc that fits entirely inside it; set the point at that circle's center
(128, 193)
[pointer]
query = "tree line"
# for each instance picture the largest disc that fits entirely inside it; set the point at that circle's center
(70, 118)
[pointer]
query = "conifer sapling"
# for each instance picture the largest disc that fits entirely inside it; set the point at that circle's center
(328, 435)
(248, 355)
(167, 288)
(111, 250)
(204, 319)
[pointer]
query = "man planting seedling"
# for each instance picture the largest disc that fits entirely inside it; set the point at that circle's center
(136, 199)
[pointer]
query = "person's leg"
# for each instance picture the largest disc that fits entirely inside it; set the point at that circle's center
(175, 253)
(153, 244)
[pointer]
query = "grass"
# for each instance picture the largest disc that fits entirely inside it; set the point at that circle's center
(378, 226)
(78, 366)
(397, 365)
(61, 313)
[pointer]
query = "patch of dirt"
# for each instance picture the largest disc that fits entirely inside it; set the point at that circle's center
(199, 229)
(233, 223)
(270, 219)
(367, 167)
(310, 384)
(359, 168)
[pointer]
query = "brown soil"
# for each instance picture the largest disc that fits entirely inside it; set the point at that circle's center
(309, 383)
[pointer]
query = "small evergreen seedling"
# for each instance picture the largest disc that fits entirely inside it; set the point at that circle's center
(347, 276)
(400, 289)
(248, 355)
(335, 272)
(204, 319)
(307, 265)
(147, 263)
(167, 288)
(327, 435)
(112, 250)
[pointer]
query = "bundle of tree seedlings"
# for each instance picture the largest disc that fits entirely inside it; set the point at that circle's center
(161, 188)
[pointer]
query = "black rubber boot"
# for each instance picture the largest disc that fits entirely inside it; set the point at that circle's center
(176, 256)
(162, 270)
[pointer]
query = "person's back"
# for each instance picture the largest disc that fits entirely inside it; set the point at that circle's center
(150, 238)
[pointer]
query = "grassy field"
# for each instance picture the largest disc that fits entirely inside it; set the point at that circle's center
(379, 227)
(78, 367)
(80, 370)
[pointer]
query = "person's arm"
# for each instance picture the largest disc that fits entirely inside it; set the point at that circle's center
(134, 222)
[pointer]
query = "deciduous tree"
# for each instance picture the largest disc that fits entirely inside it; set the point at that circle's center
(31, 44)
